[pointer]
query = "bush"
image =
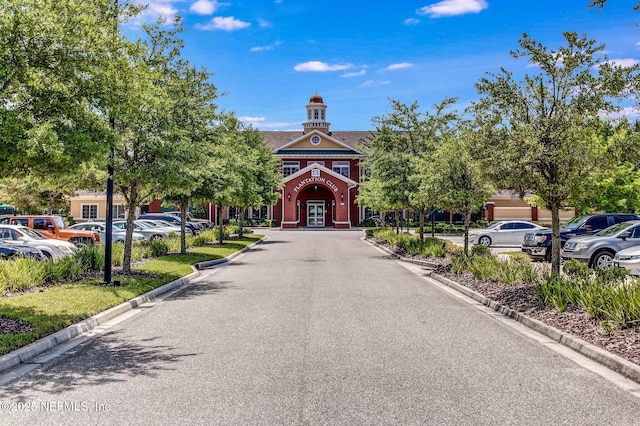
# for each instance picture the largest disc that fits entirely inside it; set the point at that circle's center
(21, 274)
(91, 258)
(576, 269)
(480, 250)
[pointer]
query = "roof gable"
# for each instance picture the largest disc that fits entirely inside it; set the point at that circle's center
(316, 141)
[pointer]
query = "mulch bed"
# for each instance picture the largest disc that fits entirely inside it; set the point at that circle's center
(521, 298)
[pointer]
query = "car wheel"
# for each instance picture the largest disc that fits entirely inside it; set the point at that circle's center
(46, 254)
(156, 237)
(484, 241)
(602, 260)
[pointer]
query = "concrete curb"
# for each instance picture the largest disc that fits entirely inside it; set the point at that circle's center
(26, 353)
(599, 355)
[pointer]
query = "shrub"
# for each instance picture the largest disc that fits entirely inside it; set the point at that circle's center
(519, 258)
(21, 273)
(91, 258)
(459, 263)
(66, 268)
(480, 250)
(576, 269)
(156, 248)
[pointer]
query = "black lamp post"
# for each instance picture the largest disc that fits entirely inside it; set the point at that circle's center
(108, 234)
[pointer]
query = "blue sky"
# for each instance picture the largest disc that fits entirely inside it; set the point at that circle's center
(270, 56)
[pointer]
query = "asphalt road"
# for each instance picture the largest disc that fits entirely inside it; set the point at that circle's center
(314, 328)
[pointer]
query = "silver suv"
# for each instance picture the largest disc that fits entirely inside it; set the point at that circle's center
(599, 249)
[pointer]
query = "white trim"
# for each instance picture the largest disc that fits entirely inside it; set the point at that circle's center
(350, 183)
(322, 135)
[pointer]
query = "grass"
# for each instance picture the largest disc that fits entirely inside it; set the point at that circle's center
(53, 308)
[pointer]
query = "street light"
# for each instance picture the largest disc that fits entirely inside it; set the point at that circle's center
(108, 235)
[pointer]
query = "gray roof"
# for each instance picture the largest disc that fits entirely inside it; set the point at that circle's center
(278, 139)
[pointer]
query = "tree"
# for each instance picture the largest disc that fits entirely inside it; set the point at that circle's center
(51, 78)
(461, 185)
(542, 134)
(600, 4)
(401, 136)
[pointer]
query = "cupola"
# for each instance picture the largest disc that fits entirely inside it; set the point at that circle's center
(316, 115)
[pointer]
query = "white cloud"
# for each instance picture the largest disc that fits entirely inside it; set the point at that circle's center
(154, 10)
(264, 23)
(262, 123)
(453, 8)
(411, 21)
(228, 23)
(268, 47)
(317, 66)
(354, 74)
(626, 62)
(204, 7)
(394, 67)
(374, 83)
(629, 112)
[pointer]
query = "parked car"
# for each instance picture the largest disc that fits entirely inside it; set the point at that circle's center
(147, 232)
(629, 259)
(117, 235)
(537, 244)
(172, 219)
(11, 251)
(54, 227)
(205, 223)
(50, 248)
(598, 250)
(505, 232)
(165, 226)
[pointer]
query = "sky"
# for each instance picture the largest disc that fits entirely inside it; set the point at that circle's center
(269, 56)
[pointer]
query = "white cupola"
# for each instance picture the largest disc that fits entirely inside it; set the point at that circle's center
(316, 115)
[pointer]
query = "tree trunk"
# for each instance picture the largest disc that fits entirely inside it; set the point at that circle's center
(382, 219)
(240, 222)
(555, 239)
(421, 219)
(220, 223)
(184, 205)
(467, 221)
(433, 223)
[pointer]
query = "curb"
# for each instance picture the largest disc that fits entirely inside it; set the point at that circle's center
(599, 355)
(27, 353)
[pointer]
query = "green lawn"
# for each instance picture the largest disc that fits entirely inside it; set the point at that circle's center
(54, 308)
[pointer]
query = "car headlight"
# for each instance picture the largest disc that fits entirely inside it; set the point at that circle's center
(582, 246)
(540, 238)
(627, 257)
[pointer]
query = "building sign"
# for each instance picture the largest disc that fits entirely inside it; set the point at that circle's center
(316, 179)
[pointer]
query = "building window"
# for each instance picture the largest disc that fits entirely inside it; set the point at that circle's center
(118, 211)
(233, 213)
(322, 114)
(261, 213)
(315, 114)
(89, 211)
(315, 140)
(341, 167)
(290, 167)
(308, 114)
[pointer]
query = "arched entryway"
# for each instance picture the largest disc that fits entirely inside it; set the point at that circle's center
(317, 207)
(316, 197)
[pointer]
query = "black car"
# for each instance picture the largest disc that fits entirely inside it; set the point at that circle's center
(11, 251)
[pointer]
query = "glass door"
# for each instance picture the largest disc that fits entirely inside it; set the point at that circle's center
(315, 213)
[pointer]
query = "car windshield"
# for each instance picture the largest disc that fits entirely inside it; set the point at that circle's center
(495, 225)
(614, 229)
(573, 223)
(164, 223)
(33, 234)
(59, 222)
(144, 224)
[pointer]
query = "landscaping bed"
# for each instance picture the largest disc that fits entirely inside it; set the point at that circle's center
(521, 297)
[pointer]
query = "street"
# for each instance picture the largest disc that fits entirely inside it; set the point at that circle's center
(314, 328)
